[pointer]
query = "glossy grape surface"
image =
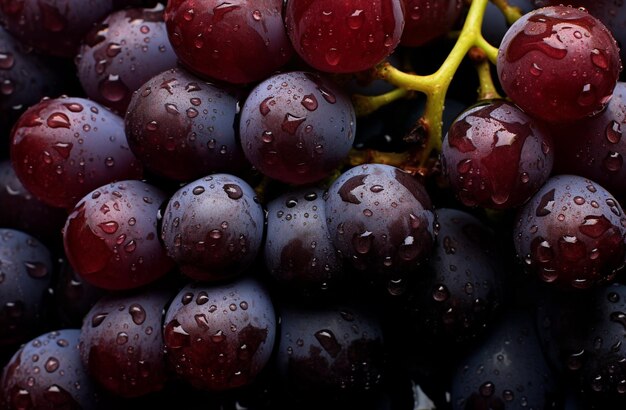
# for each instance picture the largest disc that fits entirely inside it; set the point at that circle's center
(220, 337)
(237, 41)
(297, 127)
(425, 20)
(496, 156)
(111, 236)
(338, 37)
(121, 53)
(559, 64)
(571, 233)
(63, 148)
(213, 227)
(183, 128)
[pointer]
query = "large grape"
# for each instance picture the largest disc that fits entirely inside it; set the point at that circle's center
(571, 233)
(344, 36)
(425, 20)
(297, 127)
(559, 64)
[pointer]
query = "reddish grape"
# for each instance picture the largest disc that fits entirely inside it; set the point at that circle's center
(297, 127)
(213, 227)
(496, 156)
(426, 20)
(571, 233)
(121, 343)
(46, 373)
(121, 53)
(63, 148)
(344, 36)
(559, 64)
(111, 237)
(594, 147)
(236, 41)
(53, 27)
(183, 128)
(25, 274)
(381, 220)
(220, 337)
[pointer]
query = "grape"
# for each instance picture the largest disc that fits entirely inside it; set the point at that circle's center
(121, 53)
(495, 156)
(571, 233)
(339, 37)
(507, 371)
(213, 227)
(25, 276)
(494, 23)
(298, 250)
(297, 127)
(235, 41)
(594, 148)
(73, 297)
(53, 27)
(329, 352)
(183, 128)
(381, 220)
(63, 148)
(46, 373)
(426, 20)
(111, 236)
(220, 337)
(121, 344)
(559, 64)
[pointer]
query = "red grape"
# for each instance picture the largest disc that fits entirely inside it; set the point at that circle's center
(426, 20)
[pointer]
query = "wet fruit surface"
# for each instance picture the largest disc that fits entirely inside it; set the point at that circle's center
(297, 127)
(425, 20)
(121, 53)
(63, 148)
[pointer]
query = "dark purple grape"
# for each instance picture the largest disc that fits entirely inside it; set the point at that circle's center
(298, 250)
(495, 156)
(111, 237)
(25, 275)
(326, 352)
(121, 343)
(183, 128)
(220, 337)
(73, 297)
(63, 148)
(52, 27)
(457, 301)
(297, 127)
(507, 371)
(593, 147)
(559, 64)
(344, 37)
(46, 373)
(571, 233)
(381, 220)
(235, 41)
(121, 53)
(25, 78)
(213, 227)
(425, 20)
(21, 211)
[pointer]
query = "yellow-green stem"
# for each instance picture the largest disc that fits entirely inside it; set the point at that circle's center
(511, 13)
(364, 104)
(487, 89)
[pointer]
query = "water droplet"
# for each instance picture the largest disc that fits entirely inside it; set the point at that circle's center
(264, 106)
(122, 338)
(256, 15)
(36, 270)
(291, 123)
(109, 227)
(137, 313)
(599, 59)
(613, 161)
(441, 293)
(328, 341)
(233, 191)
(97, 319)
(51, 365)
(58, 120)
(613, 132)
(199, 190)
(333, 56)
(6, 61)
(309, 102)
(113, 88)
(535, 70)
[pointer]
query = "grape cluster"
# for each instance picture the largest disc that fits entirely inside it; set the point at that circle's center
(305, 204)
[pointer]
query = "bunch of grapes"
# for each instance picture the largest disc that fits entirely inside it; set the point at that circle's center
(381, 204)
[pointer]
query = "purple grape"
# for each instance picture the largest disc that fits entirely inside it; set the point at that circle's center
(121, 343)
(298, 250)
(123, 52)
(220, 337)
(46, 373)
(213, 227)
(571, 233)
(183, 128)
(111, 237)
(495, 156)
(25, 275)
(73, 297)
(381, 220)
(425, 20)
(297, 127)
